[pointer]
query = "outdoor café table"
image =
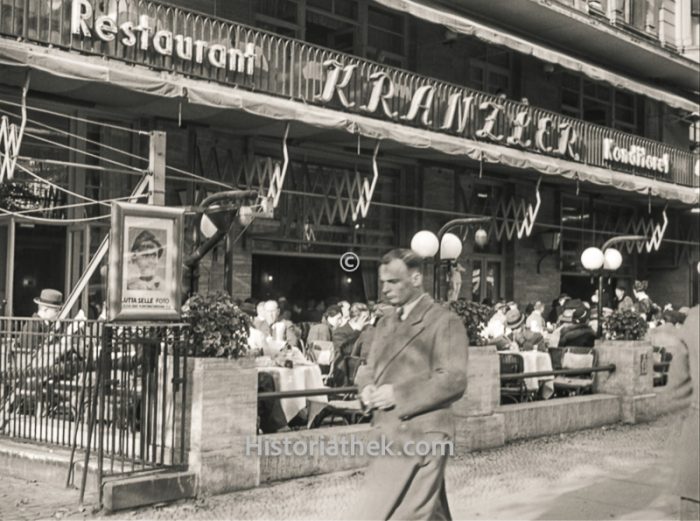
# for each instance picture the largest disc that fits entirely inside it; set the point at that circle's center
(535, 362)
(298, 378)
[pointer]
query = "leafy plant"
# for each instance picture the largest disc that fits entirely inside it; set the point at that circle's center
(218, 328)
(475, 316)
(625, 325)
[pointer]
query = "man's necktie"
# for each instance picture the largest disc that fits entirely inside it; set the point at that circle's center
(400, 314)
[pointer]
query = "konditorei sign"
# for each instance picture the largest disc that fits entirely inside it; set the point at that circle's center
(635, 156)
(143, 36)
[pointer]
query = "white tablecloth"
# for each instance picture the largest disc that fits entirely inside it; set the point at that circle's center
(300, 378)
(535, 362)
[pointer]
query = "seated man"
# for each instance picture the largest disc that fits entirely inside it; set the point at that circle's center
(280, 329)
(34, 333)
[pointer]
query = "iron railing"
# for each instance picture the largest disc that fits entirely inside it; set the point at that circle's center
(116, 391)
(296, 70)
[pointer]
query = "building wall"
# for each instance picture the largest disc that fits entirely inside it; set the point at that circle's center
(672, 286)
(528, 284)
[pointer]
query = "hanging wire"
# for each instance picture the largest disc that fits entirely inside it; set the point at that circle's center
(199, 177)
(77, 118)
(58, 187)
(85, 153)
(79, 137)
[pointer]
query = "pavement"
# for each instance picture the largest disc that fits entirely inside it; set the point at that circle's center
(615, 472)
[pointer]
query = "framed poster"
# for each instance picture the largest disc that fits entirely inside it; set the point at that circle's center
(145, 262)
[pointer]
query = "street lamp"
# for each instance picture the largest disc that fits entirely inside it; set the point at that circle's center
(606, 259)
(445, 246)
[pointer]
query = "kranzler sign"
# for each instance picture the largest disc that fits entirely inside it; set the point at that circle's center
(142, 34)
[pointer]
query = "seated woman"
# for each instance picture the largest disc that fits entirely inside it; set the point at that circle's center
(579, 333)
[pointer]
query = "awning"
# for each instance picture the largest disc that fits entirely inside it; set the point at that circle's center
(54, 62)
(460, 24)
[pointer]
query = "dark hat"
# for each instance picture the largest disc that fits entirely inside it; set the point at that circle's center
(514, 318)
(580, 313)
(147, 242)
(622, 284)
(50, 297)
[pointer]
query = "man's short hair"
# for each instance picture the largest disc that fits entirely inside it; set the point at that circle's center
(357, 309)
(408, 257)
(333, 310)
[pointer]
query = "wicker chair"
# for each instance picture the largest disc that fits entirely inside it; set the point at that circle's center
(513, 391)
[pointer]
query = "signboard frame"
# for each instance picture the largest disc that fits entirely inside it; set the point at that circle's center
(145, 262)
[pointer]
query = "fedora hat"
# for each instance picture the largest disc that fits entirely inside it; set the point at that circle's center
(514, 318)
(50, 297)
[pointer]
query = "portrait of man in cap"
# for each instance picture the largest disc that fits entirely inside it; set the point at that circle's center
(146, 260)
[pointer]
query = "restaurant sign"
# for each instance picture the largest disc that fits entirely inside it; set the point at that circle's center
(141, 34)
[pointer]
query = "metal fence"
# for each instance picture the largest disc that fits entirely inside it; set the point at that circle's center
(294, 69)
(116, 391)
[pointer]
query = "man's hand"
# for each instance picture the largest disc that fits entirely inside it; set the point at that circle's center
(383, 397)
(366, 395)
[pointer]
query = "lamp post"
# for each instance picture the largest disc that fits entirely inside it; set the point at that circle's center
(606, 259)
(444, 245)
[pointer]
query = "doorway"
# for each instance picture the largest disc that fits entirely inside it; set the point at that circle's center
(301, 279)
(40, 262)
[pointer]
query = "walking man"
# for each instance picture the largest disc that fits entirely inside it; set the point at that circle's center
(417, 367)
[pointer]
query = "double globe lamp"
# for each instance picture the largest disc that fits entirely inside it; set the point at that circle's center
(426, 244)
(598, 262)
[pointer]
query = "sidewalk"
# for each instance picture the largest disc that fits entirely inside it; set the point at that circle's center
(618, 472)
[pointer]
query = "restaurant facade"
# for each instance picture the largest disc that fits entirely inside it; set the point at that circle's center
(370, 120)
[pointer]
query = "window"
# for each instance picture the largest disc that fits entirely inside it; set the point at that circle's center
(491, 71)
(695, 24)
(386, 36)
(597, 103)
(335, 24)
(279, 16)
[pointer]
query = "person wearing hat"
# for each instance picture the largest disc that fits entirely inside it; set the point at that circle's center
(49, 303)
(146, 253)
(579, 333)
(523, 337)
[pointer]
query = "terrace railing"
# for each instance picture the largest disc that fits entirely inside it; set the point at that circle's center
(115, 390)
(296, 70)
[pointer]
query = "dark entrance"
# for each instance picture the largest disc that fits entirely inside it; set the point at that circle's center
(301, 279)
(40, 262)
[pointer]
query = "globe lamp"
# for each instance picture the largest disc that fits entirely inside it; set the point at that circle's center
(450, 247)
(425, 244)
(613, 259)
(481, 237)
(592, 259)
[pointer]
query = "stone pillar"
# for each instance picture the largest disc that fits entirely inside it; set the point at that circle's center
(477, 424)
(632, 380)
(223, 422)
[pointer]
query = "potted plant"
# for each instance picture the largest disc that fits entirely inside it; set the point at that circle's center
(626, 346)
(218, 328)
(475, 316)
(625, 325)
(221, 406)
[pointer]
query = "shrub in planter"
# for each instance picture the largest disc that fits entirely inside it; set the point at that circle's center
(218, 328)
(475, 316)
(625, 325)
